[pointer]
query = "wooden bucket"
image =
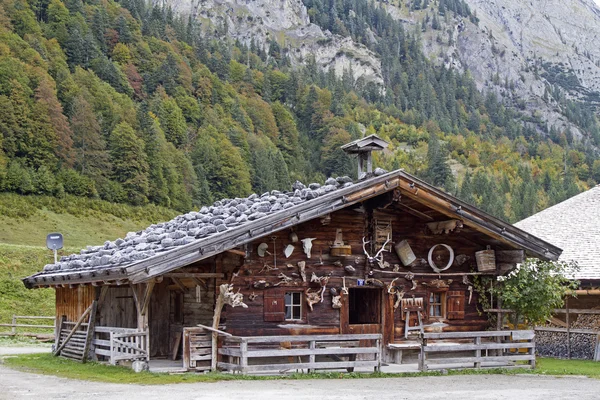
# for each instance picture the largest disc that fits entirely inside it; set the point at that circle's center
(405, 253)
(486, 260)
(341, 250)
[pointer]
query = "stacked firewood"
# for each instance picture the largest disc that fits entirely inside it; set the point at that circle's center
(583, 345)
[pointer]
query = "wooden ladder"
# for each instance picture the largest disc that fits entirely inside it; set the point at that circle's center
(412, 305)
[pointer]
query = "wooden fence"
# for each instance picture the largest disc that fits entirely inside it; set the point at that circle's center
(20, 322)
(490, 349)
(118, 344)
(281, 353)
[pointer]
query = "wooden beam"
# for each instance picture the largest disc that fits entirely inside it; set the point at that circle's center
(566, 330)
(380, 271)
(90, 328)
(201, 282)
(147, 295)
(179, 284)
(576, 311)
(414, 212)
(194, 275)
(136, 297)
(240, 253)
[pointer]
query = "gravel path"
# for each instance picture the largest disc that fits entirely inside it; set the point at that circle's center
(16, 385)
(9, 350)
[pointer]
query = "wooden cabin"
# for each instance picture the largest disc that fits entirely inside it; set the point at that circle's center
(344, 258)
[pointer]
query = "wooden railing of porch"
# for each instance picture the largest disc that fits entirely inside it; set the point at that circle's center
(118, 344)
(282, 353)
(496, 349)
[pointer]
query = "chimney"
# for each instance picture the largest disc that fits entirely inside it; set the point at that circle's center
(363, 148)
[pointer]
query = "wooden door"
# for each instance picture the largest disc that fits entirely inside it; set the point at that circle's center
(158, 320)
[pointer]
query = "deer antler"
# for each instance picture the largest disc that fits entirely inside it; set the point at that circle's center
(377, 258)
(382, 247)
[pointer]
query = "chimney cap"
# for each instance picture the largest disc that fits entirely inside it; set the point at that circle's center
(363, 148)
(364, 145)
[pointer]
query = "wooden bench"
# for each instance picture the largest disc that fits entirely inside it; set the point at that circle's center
(395, 350)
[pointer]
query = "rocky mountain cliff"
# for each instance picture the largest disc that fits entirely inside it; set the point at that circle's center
(287, 22)
(531, 53)
(522, 50)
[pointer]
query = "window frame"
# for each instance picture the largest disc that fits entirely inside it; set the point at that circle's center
(441, 304)
(293, 305)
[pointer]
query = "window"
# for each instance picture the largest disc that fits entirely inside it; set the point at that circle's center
(293, 305)
(437, 305)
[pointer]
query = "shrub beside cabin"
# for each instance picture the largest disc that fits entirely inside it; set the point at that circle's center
(388, 255)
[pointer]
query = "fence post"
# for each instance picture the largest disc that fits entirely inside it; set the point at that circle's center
(422, 356)
(112, 349)
(478, 352)
(244, 356)
(378, 343)
(532, 352)
(312, 359)
(14, 323)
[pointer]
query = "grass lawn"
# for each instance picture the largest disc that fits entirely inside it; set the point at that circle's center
(50, 365)
(26, 220)
(555, 366)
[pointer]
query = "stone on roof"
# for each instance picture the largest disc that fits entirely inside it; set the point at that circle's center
(574, 226)
(193, 226)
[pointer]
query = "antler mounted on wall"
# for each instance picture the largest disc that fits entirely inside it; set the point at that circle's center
(378, 257)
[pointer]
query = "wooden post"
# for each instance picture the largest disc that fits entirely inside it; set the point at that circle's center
(59, 326)
(532, 352)
(378, 343)
(90, 328)
(312, 358)
(244, 356)
(478, 352)
(214, 335)
(186, 349)
(422, 363)
(568, 329)
(14, 323)
(112, 349)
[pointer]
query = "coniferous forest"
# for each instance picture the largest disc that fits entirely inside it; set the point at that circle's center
(134, 104)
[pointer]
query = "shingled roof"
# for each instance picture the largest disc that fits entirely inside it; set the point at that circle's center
(230, 223)
(573, 225)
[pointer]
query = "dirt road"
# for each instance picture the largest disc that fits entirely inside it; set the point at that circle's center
(16, 385)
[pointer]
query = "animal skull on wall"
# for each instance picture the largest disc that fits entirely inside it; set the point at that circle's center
(307, 246)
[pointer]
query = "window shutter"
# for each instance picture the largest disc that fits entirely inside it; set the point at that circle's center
(456, 304)
(273, 305)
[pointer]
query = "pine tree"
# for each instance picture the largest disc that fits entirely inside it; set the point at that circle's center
(438, 172)
(91, 158)
(129, 165)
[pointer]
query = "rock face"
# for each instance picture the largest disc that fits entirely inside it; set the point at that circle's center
(522, 50)
(287, 22)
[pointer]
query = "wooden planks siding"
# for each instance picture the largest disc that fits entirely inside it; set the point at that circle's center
(72, 302)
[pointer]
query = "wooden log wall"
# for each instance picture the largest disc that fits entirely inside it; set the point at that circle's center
(73, 302)
(260, 282)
